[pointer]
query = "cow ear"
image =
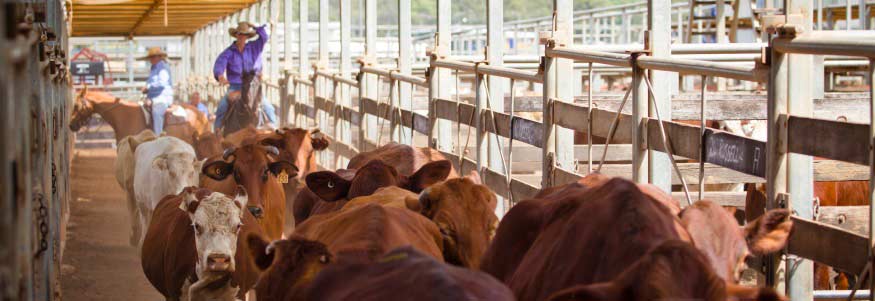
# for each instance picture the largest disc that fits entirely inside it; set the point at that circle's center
(160, 162)
(189, 200)
(274, 139)
(319, 141)
(217, 170)
(279, 166)
(260, 251)
(769, 233)
(328, 185)
(241, 198)
(428, 175)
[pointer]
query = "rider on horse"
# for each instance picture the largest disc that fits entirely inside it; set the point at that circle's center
(239, 58)
(159, 87)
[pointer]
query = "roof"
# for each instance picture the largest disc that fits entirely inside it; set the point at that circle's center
(146, 17)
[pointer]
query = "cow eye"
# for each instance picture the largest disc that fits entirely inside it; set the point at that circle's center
(198, 229)
(323, 259)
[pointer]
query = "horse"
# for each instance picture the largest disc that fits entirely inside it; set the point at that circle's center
(128, 118)
(244, 107)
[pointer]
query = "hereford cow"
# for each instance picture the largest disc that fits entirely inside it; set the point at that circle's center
(364, 232)
(328, 191)
(404, 274)
(257, 168)
(192, 250)
(582, 235)
(125, 163)
(164, 167)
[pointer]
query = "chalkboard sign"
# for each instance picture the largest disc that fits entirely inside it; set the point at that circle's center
(86, 68)
(736, 152)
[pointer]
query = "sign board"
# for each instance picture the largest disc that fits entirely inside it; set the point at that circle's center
(86, 68)
(736, 152)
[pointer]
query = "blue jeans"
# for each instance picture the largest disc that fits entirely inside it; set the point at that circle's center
(158, 110)
(222, 108)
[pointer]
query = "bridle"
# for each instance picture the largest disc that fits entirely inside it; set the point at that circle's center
(92, 111)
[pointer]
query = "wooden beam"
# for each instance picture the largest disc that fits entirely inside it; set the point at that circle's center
(143, 17)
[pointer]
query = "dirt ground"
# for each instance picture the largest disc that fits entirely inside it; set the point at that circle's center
(98, 262)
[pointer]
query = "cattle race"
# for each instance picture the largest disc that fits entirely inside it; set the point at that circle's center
(200, 150)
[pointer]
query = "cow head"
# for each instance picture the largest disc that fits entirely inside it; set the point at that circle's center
(255, 168)
(298, 146)
(465, 213)
(331, 186)
(715, 232)
(181, 168)
(216, 220)
(287, 265)
(207, 145)
(82, 111)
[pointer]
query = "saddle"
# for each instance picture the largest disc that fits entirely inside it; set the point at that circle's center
(175, 114)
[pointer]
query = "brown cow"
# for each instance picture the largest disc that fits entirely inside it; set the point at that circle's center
(364, 232)
(191, 246)
(299, 147)
(584, 235)
(328, 191)
(404, 274)
(256, 168)
(404, 158)
(207, 145)
(829, 193)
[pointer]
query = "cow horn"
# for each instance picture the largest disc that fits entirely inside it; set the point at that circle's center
(272, 150)
(228, 152)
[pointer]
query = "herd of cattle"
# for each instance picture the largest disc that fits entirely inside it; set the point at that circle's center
(251, 213)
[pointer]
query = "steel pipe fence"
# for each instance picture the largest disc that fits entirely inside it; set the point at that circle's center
(35, 148)
(313, 95)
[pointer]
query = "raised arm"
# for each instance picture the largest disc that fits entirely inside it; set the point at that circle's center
(258, 45)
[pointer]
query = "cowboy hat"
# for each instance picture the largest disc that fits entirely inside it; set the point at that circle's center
(154, 51)
(242, 27)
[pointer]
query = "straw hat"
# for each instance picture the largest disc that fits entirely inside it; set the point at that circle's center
(154, 51)
(242, 27)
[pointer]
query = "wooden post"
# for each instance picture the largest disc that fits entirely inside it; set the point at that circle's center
(274, 50)
(370, 84)
(344, 133)
(563, 70)
(495, 57)
(640, 160)
(776, 145)
(871, 172)
(302, 95)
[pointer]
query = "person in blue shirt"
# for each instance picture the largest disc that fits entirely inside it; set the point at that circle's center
(241, 56)
(195, 100)
(159, 86)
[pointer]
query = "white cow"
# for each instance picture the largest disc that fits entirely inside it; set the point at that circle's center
(164, 167)
(125, 163)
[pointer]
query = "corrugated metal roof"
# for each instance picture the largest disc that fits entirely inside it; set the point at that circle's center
(146, 17)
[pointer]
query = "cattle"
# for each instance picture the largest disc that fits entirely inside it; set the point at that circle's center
(364, 232)
(164, 166)
(298, 146)
(125, 164)
(256, 168)
(587, 234)
(207, 145)
(828, 193)
(192, 250)
(404, 158)
(464, 210)
(404, 274)
(328, 191)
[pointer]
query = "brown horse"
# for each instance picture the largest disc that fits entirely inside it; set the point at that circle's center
(128, 118)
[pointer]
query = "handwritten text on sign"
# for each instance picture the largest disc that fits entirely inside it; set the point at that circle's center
(735, 152)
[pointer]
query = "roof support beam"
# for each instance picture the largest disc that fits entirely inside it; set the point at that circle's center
(143, 17)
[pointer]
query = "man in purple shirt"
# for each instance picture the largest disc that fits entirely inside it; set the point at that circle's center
(240, 57)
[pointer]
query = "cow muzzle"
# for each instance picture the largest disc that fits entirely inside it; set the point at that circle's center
(219, 263)
(256, 211)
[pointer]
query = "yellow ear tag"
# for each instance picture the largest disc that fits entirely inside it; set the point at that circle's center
(283, 177)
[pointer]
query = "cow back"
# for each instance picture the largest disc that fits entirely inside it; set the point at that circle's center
(405, 274)
(591, 236)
